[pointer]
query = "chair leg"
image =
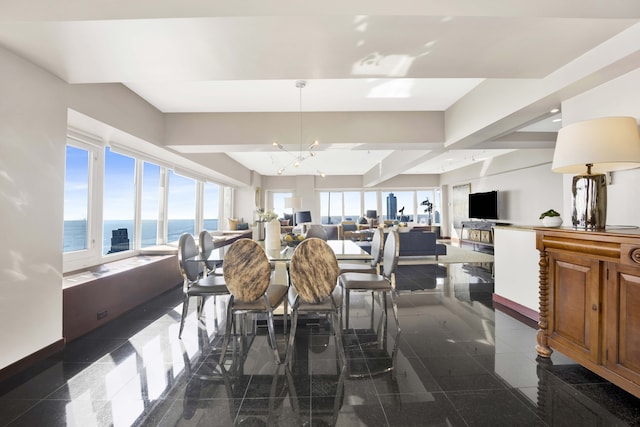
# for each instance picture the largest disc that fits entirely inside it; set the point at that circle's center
(292, 335)
(383, 295)
(382, 332)
(285, 314)
(338, 336)
(201, 300)
(185, 308)
(397, 340)
(394, 305)
(215, 313)
(346, 308)
(373, 309)
(225, 341)
(272, 332)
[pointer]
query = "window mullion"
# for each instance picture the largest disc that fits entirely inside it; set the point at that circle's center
(199, 225)
(163, 221)
(96, 205)
(137, 209)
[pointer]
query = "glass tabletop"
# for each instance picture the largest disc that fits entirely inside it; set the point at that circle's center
(345, 250)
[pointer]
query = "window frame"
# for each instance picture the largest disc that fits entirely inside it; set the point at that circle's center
(92, 255)
(380, 197)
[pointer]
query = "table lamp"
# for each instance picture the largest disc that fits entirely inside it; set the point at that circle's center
(372, 215)
(303, 218)
(590, 148)
(292, 203)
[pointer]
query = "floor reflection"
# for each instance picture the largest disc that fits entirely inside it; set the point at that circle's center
(459, 362)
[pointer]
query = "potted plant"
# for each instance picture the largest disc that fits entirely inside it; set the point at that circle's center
(551, 218)
(428, 208)
(266, 216)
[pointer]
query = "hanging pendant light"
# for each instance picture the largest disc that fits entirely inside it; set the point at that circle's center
(297, 160)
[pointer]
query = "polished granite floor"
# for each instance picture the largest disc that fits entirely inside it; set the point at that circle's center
(459, 362)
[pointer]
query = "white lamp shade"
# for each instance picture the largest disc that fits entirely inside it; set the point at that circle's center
(292, 202)
(608, 143)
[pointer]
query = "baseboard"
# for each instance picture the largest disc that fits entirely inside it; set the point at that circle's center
(26, 362)
(519, 311)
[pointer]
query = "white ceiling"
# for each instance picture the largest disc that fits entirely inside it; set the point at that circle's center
(196, 56)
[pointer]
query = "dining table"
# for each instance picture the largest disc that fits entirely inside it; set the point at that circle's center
(345, 250)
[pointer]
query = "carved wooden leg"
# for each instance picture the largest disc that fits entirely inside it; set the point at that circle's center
(543, 348)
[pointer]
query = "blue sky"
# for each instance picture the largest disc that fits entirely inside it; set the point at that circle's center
(119, 189)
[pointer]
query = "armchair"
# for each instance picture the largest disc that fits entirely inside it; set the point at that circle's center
(348, 227)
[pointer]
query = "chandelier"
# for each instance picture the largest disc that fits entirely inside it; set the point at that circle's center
(298, 159)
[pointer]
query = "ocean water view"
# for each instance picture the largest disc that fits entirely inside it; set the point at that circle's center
(75, 232)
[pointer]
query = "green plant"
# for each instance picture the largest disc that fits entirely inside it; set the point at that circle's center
(550, 212)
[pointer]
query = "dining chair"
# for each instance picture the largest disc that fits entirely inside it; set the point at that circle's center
(317, 230)
(313, 273)
(206, 247)
(379, 283)
(377, 244)
(193, 285)
(247, 273)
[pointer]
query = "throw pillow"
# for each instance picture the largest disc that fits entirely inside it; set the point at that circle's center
(349, 226)
(233, 223)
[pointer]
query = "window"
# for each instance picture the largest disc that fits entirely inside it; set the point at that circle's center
(434, 199)
(150, 204)
(352, 205)
(405, 207)
(181, 208)
(211, 204)
(76, 199)
(119, 203)
(331, 207)
(335, 208)
(371, 202)
(278, 203)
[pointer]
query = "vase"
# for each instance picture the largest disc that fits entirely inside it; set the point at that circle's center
(552, 221)
(272, 235)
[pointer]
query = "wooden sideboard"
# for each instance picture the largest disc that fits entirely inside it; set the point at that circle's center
(590, 300)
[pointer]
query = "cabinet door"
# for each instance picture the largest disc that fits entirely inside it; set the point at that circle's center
(574, 315)
(623, 321)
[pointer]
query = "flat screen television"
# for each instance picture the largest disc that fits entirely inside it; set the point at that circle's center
(483, 205)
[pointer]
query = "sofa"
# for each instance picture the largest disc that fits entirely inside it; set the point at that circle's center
(421, 243)
(415, 243)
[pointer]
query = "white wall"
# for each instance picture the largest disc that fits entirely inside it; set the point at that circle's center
(524, 181)
(32, 139)
(33, 128)
(516, 266)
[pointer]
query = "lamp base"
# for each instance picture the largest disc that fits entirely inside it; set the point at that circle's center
(589, 196)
